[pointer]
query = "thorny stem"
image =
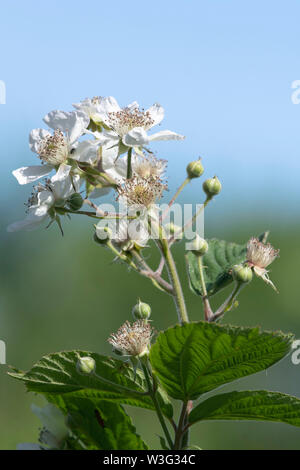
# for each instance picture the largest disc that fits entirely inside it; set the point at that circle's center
(183, 185)
(152, 393)
(129, 167)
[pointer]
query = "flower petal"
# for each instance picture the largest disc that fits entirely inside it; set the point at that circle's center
(62, 173)
(73, 124)
(31, 222)
(29, 174)
(98, 192)
(86, 151)
(136, 137)
(115, 167)
(35, 138)
(157, 113)
(166, 135)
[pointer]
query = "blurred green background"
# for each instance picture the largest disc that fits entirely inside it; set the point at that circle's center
(64, 293)
(224, 73)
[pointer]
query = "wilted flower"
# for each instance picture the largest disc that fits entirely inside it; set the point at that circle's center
(259, 257)
(132, 339)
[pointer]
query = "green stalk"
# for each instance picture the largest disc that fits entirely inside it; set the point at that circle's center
(175, 281)
(181, 187)
(181, 423)
(156, 404)
(207, 308)
(227, 305)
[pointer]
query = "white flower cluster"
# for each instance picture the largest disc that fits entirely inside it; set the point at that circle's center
(91, 146)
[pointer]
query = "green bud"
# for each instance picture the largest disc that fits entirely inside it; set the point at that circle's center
(141, 311)
(242, 273)
(75, 201)
(212, 186)
(199, 246)
(86, 365)
(195, 169)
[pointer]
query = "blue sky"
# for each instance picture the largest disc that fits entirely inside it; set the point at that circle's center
(222, 69)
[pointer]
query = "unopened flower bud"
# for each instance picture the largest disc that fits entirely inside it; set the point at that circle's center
(242, 273)
(86, 365)
(212, 187)
(75, 201)
(195, 169)
(141, 311)
(102, 234)
(199, 246)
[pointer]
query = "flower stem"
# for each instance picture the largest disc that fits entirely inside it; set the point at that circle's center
(180, 427)
(208, 313)
(152, 393)
(183, 185)
(129, 167)
(227, 305)
(175, 281)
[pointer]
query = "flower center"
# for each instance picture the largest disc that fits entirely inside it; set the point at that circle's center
(142, 191)
(54, 149)
(127, 119)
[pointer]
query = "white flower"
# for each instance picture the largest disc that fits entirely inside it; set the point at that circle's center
(129, 126)
(54, 429)
(139, 195)
(128, 234)
(41, 205)
(55, 149)
(259, 257)
(97, 108)
(132, 339)
(143, 166)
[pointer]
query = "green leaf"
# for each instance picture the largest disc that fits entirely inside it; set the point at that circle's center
(195, 358)
(218, 262)
(249, 405)
(116, 380)
(98, 424)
